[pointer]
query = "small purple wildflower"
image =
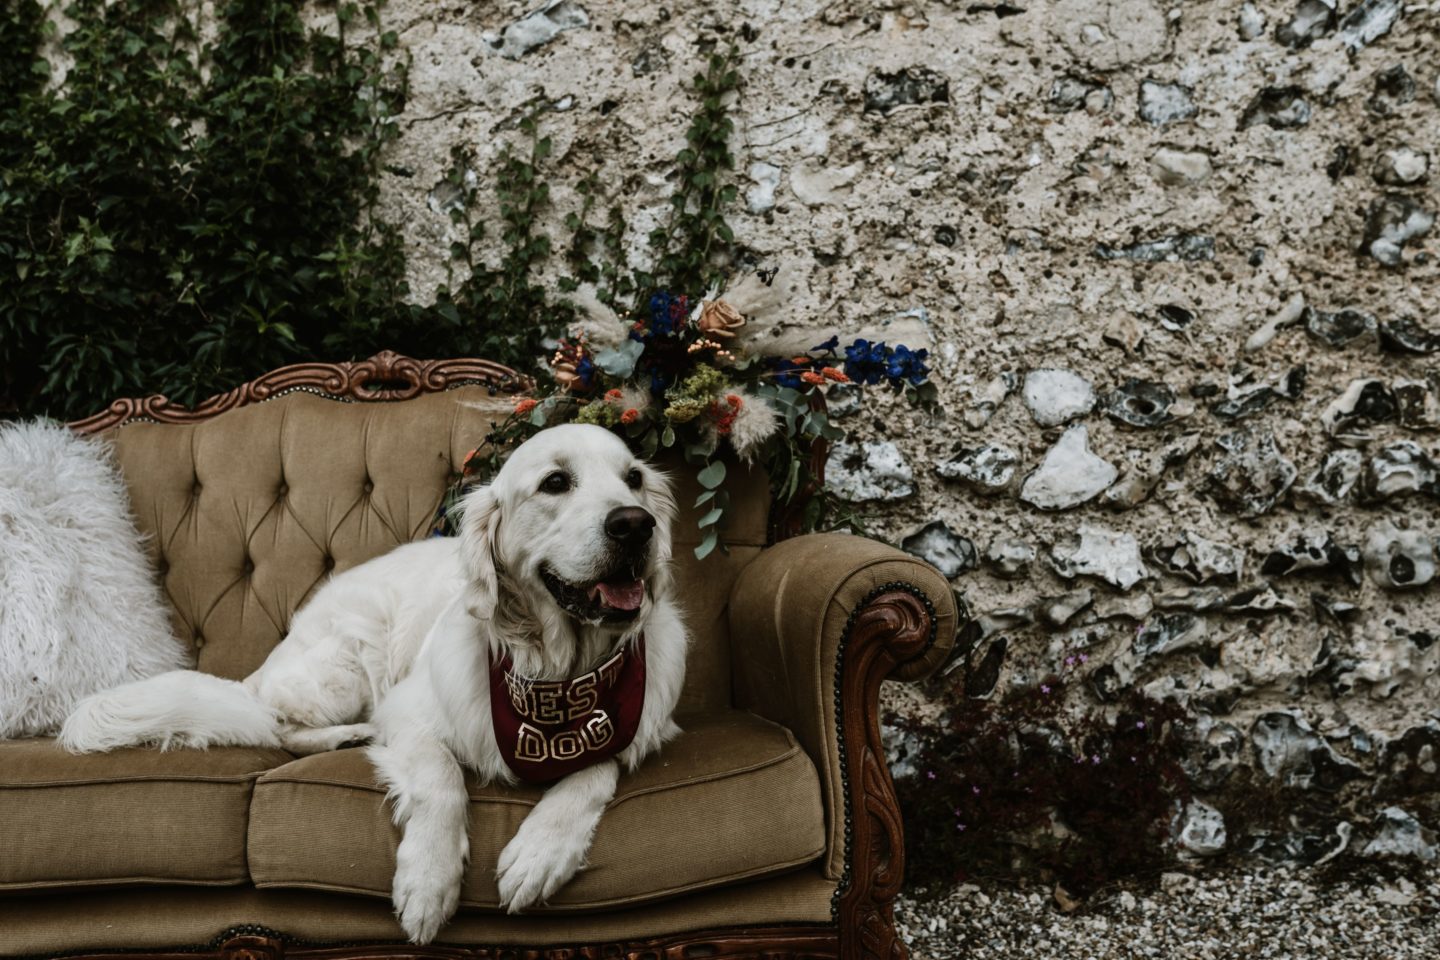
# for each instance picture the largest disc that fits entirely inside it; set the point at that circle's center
(929, 774)
(1045, 688)
(1139, 724)
(1095, 758)
(1084, 658)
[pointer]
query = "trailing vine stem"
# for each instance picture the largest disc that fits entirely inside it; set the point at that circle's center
(190, 207)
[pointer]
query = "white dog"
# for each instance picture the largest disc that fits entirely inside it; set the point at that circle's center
(561, 569)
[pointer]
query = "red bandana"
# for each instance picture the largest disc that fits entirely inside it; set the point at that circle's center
(549, 729)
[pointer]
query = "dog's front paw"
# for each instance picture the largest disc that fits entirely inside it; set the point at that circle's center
(535, 864)
(424, 900)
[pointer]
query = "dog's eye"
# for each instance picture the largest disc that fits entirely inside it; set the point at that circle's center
(634, 478)
(557, 482)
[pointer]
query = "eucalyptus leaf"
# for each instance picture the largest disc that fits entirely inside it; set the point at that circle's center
(792, 481)
(713, 475)
(707, 546)
(620, 361)
(712, 517)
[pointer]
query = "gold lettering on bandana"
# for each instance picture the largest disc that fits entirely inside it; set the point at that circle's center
(547, 729)
(533, 745)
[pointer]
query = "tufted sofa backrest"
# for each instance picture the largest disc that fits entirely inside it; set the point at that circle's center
(249, 511)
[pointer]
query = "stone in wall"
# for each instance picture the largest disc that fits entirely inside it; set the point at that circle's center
(1227, 204)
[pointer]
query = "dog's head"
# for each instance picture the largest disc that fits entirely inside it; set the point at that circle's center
(573, 526)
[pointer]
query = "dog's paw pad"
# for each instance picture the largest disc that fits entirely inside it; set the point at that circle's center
(529, 875)
(356, 743)
(423, 904)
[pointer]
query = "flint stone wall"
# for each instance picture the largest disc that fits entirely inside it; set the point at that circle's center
(1177, 270)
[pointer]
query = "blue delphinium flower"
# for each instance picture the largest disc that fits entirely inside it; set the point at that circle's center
(866, 362)
(660, 381)
(667, 312)
(907, 365)
(585, 370)
(660, 311)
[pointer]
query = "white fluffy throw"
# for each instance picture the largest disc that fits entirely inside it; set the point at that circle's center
(80, 608)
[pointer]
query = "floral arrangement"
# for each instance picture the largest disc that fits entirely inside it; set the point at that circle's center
(679, 376)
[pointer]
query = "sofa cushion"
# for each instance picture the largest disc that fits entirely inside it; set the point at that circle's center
(129, 817)
(732, 798)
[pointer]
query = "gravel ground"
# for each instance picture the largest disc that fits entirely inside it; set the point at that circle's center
(1239, 911)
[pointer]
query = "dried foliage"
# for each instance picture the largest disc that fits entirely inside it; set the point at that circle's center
(1022, 788)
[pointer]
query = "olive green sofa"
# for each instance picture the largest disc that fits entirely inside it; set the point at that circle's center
(768, 829)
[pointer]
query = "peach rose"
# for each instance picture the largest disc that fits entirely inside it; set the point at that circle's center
(719, 319)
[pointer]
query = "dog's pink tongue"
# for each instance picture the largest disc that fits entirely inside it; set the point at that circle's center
(623, 596)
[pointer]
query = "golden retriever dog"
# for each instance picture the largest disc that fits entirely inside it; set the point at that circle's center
(543, 643)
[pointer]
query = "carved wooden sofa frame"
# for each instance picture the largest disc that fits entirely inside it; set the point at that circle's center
(894, 627)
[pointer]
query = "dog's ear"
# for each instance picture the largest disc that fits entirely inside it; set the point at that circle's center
(660, 487)
(662, 505)
(479, 525)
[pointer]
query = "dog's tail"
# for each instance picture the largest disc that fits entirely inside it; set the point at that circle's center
(184, 708)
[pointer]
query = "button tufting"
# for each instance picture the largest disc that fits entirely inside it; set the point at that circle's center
(249, 565)
(282, 492)
(369, 486)
(329, 562)
(195, 490)
(199, 640)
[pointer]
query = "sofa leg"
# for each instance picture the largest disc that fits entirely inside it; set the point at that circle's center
(896, 625)
(252, 947)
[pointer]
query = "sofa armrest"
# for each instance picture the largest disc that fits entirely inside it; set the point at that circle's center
(816, 624)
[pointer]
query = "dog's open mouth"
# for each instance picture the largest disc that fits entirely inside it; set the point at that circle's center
(616, 598)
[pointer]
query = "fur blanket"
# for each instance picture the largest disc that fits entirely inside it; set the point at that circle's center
(80, 608)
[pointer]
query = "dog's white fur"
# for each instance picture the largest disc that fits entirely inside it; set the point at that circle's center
(80, 610)
(397, 651)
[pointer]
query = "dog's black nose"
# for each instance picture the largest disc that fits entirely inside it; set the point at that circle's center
(631, 526)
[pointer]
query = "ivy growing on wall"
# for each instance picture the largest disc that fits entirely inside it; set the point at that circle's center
(184, 206)
(181, 211)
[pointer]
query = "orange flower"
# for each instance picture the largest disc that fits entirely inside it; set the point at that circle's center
(613, 394)
(724, 412)
(525, 404)
(800, 361)
(810, 376)
(830, 373)
(630, 416)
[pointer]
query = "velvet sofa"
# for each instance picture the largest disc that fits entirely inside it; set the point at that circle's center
(768, 829)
